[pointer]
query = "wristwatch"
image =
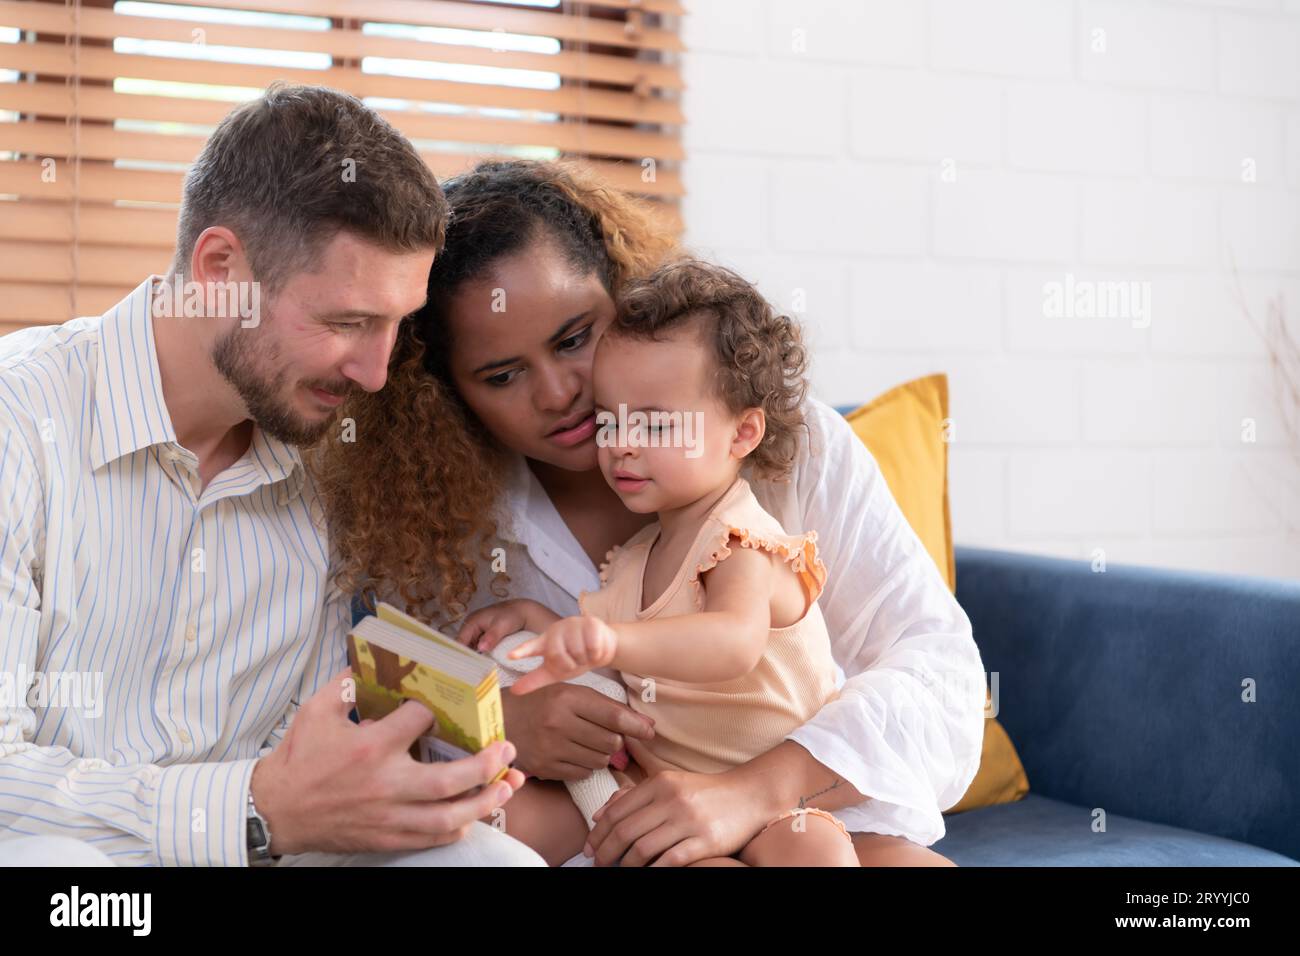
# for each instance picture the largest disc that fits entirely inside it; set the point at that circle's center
(259, 837)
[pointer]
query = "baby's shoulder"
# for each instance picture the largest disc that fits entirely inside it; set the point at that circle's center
(742, 520)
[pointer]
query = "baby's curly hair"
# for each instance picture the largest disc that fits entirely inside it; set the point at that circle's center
(760, 357)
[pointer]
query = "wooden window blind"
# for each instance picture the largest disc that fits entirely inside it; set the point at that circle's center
(103, 103)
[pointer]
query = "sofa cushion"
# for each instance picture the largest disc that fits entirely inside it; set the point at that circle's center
(904, 430)
(1038, 831)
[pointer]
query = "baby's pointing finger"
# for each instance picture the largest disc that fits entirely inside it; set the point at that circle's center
(530, 648)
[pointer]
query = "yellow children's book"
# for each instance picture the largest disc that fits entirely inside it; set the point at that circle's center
(394, 658)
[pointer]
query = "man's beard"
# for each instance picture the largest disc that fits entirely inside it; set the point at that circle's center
(236, 356)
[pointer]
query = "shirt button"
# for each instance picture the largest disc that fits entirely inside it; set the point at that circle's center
(184, 735)
(191, 632)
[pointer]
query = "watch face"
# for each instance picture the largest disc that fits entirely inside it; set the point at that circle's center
(256, 832)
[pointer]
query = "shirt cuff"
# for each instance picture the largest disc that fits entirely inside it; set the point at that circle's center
(201, 813)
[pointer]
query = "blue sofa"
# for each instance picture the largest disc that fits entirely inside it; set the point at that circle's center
(1123, 691)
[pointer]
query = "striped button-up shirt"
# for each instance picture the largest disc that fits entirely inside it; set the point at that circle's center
(156, 636)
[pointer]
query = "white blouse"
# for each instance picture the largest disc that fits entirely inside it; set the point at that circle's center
(908, 725)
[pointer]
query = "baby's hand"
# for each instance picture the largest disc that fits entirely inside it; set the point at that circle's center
(489, 626)
(571, 646)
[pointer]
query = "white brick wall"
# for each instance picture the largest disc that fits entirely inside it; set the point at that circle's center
(915, 172)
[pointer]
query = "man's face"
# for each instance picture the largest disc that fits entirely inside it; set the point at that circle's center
(323, 336)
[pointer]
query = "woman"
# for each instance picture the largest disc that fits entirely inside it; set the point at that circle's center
(472, 478)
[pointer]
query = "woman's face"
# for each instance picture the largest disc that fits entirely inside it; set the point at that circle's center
(522, 340)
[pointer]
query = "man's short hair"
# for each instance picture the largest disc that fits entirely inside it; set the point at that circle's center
(287, 171)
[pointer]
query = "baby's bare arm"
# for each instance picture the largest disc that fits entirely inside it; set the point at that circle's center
(722, 642)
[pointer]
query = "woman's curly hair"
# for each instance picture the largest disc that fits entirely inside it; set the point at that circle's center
(759, 359)
(413, 500)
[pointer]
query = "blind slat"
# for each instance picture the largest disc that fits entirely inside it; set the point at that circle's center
(87, 223)
(48, 138)
(469, 16)
(140, 227)
(102, 182)
(88, 180)
(59, 59)
(27, 303)
(58, 99)
(93, 265)
(51, 138)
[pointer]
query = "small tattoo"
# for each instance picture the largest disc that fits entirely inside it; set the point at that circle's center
(803, 801)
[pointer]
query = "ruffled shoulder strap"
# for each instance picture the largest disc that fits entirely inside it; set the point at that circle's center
(738, 514)
(620, 552)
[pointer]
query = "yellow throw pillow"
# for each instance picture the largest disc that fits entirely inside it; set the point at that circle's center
(904, 431)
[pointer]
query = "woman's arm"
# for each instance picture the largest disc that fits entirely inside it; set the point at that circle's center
(676, 818)
(907, 728)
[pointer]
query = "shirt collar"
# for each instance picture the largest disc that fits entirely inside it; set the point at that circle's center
(529, 518)
(129, 410)
(527, 509)
(280, 463)
(130, 413)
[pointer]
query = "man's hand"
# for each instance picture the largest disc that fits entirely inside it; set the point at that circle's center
(565, 731)
(571, 646)
(489, 626)
(337, 787)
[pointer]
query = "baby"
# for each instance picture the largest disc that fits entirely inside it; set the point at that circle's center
(710, 613)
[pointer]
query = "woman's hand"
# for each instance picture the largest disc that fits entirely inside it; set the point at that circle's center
(675, 818)
(489, 626)
(569, 647)
(565, 731)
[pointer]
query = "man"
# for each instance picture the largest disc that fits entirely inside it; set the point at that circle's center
(165, 598)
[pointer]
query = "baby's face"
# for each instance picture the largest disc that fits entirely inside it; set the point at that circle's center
(663, 440)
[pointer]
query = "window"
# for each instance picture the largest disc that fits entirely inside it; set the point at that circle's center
(103, 104)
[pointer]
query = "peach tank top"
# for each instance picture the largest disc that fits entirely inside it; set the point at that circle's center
(708, 728)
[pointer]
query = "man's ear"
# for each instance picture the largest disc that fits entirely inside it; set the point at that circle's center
(218, 257)
(750, 429)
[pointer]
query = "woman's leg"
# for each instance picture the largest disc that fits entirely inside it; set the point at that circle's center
(877, 849)
(543, 815)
